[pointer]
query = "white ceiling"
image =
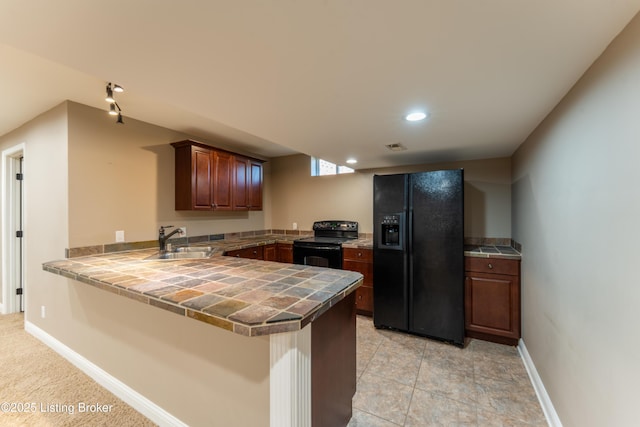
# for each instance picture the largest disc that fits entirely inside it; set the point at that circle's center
(329, 78)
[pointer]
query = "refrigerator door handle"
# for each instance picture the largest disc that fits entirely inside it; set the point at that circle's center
(409, 264)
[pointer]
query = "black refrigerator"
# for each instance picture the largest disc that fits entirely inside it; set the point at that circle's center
(418, 255)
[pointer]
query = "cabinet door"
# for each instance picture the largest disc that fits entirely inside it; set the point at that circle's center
(270, 253)
(222, 180)
(285, 253)
(255, 185)
(201, 178)
(492, 307)
(240, 183)
(364, 300)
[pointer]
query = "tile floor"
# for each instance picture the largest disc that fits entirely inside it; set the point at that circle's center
(404, 380)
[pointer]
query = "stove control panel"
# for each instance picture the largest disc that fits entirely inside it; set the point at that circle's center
(334, 225)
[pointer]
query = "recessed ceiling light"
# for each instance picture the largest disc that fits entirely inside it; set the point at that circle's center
(414, 117)
(352, 161)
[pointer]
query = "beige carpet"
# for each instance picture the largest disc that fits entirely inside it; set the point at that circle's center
(40, 388)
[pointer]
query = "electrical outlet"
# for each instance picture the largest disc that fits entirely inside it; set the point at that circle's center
(184, 232)
(119, 236)
(295, 225)
(42, 312)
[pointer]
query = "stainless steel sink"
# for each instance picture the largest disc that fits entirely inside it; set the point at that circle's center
(185, 252)
(182, 249)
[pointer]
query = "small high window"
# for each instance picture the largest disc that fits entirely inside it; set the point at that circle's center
(321, 167)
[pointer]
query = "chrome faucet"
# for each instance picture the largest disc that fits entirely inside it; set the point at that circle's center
(162, 238)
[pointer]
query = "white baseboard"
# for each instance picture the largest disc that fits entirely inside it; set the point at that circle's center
(545, 401)
(134, 399)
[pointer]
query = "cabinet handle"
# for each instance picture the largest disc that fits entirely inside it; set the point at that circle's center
(359, 254)
(255, 252)
(490, 266)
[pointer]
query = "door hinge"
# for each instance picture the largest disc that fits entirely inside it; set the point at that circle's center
(19, 234)
(19, 176)
(19, 291)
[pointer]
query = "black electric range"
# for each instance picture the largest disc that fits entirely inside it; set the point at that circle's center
(324, 249)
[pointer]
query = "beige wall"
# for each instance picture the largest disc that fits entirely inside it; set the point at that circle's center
(201, 374)
(576, 210)
(299, 197)
(45, 197)
(121, 177)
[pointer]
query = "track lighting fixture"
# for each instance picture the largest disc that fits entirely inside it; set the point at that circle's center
(114, 108)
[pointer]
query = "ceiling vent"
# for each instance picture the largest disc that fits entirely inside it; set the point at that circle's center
(396, 147)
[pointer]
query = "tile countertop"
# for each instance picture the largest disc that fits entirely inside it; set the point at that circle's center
(247, 297)
(491, 251)
(480, 251)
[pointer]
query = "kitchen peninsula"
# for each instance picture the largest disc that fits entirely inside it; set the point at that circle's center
(307, 313)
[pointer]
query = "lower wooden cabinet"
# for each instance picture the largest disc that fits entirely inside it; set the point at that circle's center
(361, 260)
(492, 299)
(256, 252)
(280, 252)
(270, 253)
(284, 252)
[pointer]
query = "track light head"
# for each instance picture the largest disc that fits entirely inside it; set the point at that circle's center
(109, 97)
(118, 88)
(112, 109)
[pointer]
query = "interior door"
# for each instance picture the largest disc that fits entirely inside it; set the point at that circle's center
(19, 256)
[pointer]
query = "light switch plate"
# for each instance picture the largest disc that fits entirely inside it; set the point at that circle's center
(119, 236)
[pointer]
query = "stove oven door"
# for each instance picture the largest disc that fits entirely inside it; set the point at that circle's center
(319, 255)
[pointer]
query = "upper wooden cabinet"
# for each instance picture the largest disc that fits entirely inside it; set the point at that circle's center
(208, 178)
(247, 188)
(255, 185)
(240, 184)
(222, 189)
